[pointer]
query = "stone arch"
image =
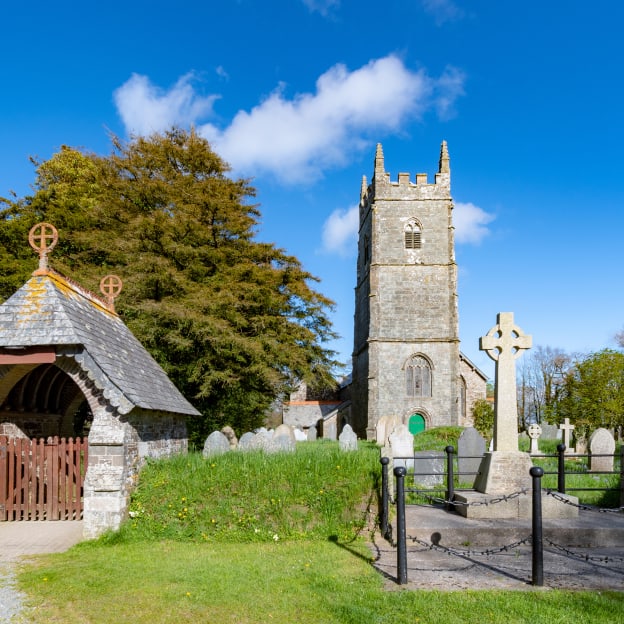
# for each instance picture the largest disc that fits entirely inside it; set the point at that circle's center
(415, 417)
(412, 234)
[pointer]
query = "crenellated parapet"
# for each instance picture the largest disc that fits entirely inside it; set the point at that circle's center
(405, 188)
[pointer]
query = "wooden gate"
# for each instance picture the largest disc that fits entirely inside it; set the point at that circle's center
(42, 480)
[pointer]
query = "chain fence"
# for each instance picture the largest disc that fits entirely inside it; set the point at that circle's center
(536, 539)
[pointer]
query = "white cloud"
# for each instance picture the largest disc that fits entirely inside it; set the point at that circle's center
(297, 139)
(340, 231)
(323, 7)
(145, 108)
(470, 223)
(443, 10)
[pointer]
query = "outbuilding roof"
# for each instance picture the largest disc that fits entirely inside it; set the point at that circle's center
(51, 312)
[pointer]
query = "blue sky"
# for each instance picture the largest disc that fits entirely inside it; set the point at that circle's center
(296, 93)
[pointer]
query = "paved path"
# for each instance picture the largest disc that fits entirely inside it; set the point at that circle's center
(18, 539)
(21, 539)
(474, 562)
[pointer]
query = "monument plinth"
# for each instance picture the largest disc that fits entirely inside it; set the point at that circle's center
(504, 471)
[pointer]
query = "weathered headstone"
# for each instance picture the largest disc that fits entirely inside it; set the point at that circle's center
(601, 442)
(534, 431)
(312, 433)
(385, 426)
(402, 445)
(246, 441)
(300, 435)
(263, 441)
(229, 433)
(428, 468)
(550, 432)
(470, 451)
(567, 429)
(347, 439)
(216, 444)
(284, 439)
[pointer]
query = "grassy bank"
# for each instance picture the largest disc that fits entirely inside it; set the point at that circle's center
(250, 538)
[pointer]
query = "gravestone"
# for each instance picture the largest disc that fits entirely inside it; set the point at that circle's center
(428, 468)
(246, 441)
(228, 432)
(385, 426)
(470, 451)
(402, 446)
(216, 444)
(347, 439)
(534, 431)
(567, 429)
(284, 439)
(300, 436)
(263, 441)
(550, 432)
(601, 442)
(312, 434)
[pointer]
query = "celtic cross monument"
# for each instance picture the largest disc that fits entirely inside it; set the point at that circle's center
(503, 484)
(504, 343)
(504, 469)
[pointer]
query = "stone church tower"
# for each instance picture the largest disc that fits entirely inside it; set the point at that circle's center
(406, 360)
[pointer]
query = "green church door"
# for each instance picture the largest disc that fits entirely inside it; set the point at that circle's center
(416, 424)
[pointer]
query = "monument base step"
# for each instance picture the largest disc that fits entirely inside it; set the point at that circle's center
(491, 506)
(588, 530)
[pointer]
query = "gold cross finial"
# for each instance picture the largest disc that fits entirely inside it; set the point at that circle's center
(43, 238)
(110, 287)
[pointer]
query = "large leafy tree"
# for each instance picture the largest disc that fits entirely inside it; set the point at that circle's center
(593, 393)
(234, 321)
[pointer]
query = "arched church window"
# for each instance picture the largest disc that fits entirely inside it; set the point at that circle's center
(418, 377)
(412, 235)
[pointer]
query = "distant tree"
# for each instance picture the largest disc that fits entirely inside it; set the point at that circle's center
(233, 321)
(541, 376)
(483, 417)
(593, 393)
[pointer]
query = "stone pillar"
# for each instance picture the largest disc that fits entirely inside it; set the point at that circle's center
(106, 491)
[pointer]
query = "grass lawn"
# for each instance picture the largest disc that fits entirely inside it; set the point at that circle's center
(248, 537)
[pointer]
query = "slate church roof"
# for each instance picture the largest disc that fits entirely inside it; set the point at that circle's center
(52, 311)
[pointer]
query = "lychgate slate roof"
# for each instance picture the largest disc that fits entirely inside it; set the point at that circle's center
(50, 310)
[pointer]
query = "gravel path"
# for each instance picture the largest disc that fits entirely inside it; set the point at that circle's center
(22, 539)
(11, 600)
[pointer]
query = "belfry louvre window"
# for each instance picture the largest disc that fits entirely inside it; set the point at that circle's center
(418, 377)
(412, 236)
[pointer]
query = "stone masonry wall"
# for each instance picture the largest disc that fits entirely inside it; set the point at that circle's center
(406, 299)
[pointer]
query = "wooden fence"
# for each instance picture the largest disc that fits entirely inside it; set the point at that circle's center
(42, 479)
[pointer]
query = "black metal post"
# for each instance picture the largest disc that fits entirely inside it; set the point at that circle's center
(383, 520)
(450, 487)
(561, 469)
(538, 545)
(400, 473)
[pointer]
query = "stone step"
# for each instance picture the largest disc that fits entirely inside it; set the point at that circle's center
(436, 525)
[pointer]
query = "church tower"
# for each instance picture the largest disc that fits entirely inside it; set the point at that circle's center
(406, 361)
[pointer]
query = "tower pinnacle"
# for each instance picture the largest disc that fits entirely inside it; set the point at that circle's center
(445, 161)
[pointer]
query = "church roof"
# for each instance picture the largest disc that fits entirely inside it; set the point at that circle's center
(51, 311)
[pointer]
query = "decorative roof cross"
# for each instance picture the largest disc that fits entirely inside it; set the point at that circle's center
(43, 238)
(110, 287)
(504, 343)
